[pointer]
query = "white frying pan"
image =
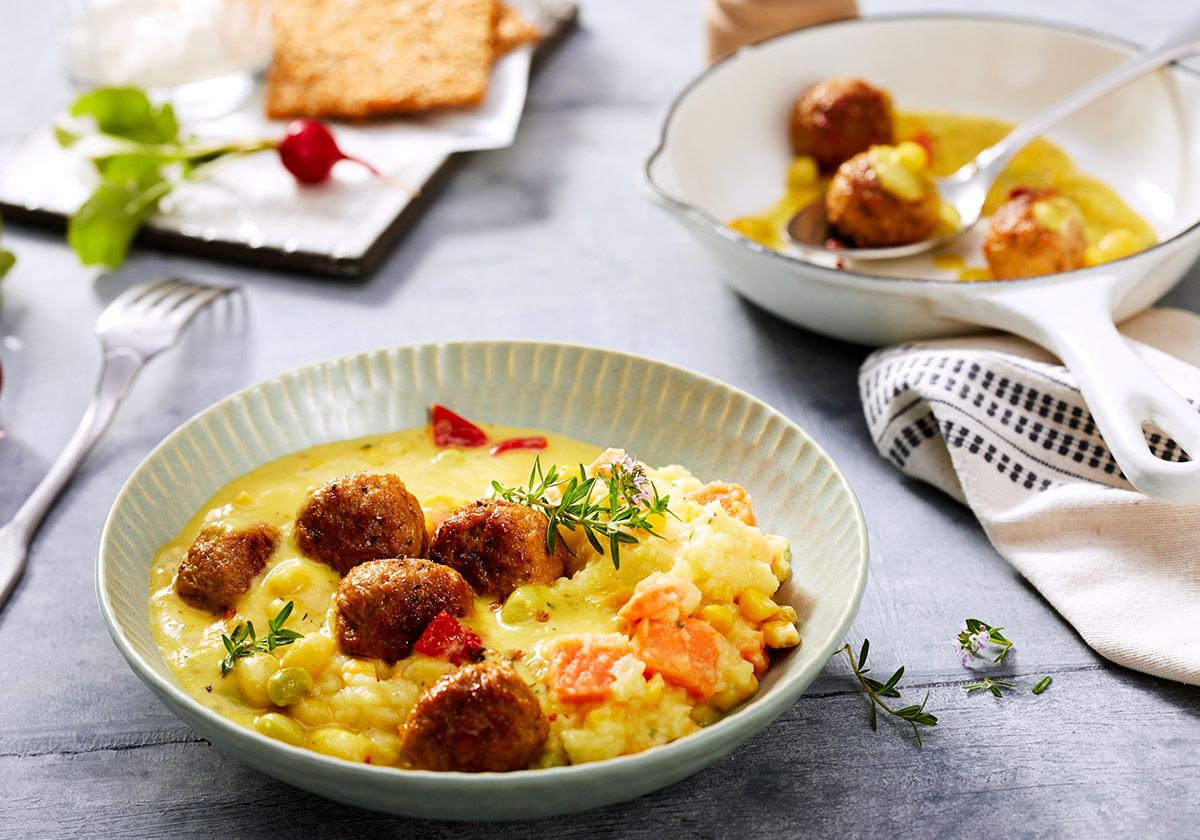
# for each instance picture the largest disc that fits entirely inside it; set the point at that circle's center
(724, 150)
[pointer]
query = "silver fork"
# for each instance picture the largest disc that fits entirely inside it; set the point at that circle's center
(139, 324)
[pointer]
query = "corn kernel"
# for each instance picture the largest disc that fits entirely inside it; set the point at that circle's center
(339, 743)
(780, 634)
(721, 618)
(786, 613)
(756, 606)
(310, 653)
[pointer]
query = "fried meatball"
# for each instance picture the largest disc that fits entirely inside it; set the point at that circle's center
(385, 605)
(221, 564)
(1035, 233)
(480, 718)
(498, 546)
(359, 517)
(869, 212)
(836, 119)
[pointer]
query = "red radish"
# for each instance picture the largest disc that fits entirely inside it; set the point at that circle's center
(309, 152)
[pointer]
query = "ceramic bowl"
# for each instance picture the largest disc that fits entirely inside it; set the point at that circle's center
(724, 149)
(663, 414)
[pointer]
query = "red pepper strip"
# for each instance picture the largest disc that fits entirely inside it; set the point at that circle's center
(451, 430)
(509, 445)
(447, 638)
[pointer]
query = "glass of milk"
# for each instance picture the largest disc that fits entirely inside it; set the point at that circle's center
(202, 55)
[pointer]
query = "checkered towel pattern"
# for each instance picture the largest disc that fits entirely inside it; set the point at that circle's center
(1000, 425)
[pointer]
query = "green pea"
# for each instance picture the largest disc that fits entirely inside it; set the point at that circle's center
(281, 728)
(287, 685)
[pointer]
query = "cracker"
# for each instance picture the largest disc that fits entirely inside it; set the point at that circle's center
(513, 30)
(355, 59)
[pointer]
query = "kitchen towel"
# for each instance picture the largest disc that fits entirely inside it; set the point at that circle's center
(1000, 425)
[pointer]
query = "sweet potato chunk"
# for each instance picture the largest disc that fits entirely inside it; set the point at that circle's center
(582, 666)
(685, 652)
(733, 497)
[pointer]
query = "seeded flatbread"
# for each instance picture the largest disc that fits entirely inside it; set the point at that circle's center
(512, 30)
(356, 59)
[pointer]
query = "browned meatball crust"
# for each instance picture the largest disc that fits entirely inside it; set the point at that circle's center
(222, 563)
(480, 718)
(836, 119)
(869, 216)
(359, 517)
(385, 605)
(1020, 244)
(498, 546)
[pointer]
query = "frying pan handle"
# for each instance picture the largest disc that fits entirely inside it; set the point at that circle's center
(1120, 389)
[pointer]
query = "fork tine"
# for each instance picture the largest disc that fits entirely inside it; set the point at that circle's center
(185, 308)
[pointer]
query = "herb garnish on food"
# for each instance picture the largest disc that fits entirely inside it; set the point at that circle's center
(242, 642)
(876, 690)
(630, 501)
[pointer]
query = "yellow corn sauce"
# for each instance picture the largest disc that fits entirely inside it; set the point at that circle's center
(1113, 229)
(356, 705)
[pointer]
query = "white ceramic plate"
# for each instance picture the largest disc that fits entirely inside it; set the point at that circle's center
(662, 414)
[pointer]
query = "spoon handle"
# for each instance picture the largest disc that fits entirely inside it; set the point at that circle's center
(1173, 43)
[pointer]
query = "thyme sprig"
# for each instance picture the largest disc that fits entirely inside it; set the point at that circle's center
(974, 635)
(242, 642)
(995, 686)
(625, 507)
(914, 715)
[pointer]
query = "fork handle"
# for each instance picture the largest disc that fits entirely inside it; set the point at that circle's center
(120, 367)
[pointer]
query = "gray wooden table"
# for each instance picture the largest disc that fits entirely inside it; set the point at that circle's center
(550, 240)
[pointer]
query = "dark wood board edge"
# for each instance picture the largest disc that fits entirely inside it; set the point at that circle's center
(311, 262)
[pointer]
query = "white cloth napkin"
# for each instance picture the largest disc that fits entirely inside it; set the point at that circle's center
(998, 424)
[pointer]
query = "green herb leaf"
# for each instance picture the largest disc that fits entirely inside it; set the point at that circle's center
(243, 642)
(913, 715)
(1042, 685)
(102, 230)
(132, 168)
(128, 113)
(994, 686)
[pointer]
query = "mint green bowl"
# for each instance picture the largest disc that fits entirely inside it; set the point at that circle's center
(662, 414)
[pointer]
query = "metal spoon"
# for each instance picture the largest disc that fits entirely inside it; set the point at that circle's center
(967, 188)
